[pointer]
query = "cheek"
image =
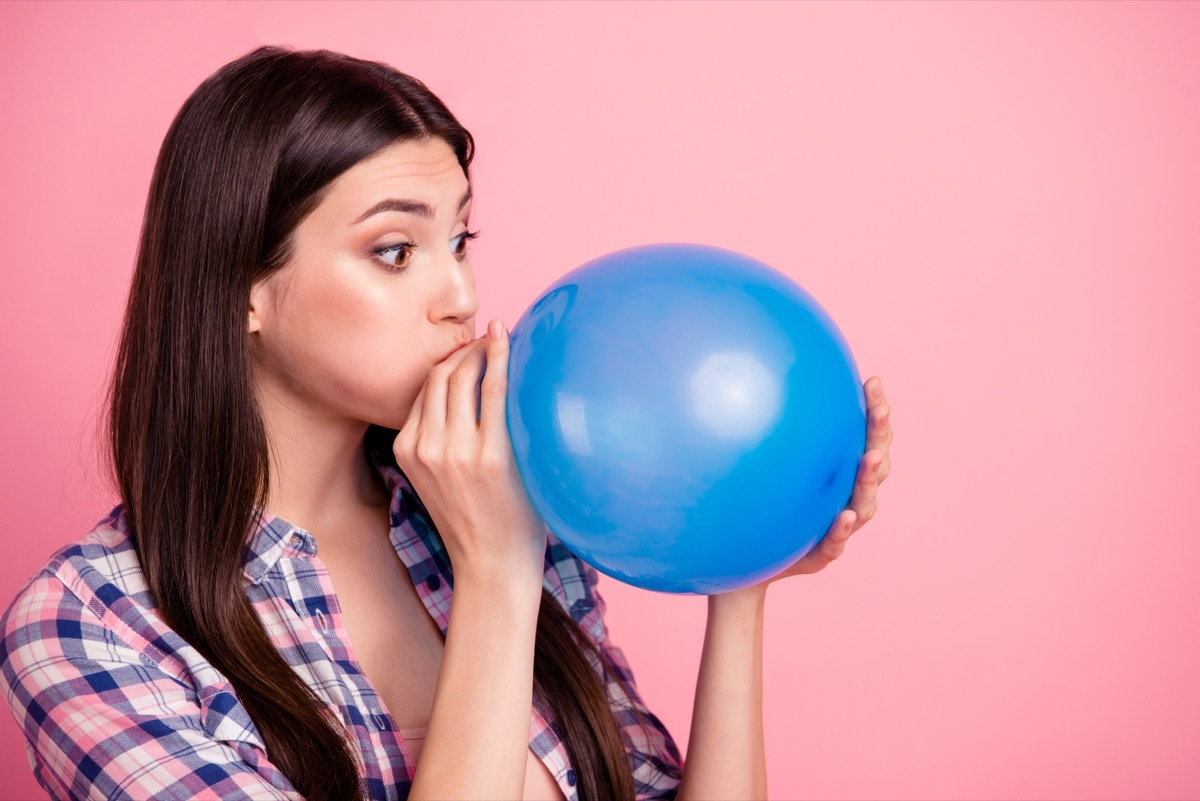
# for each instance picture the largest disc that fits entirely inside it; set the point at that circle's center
(350, 346)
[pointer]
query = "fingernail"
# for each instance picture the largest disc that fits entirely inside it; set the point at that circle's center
(495, 328)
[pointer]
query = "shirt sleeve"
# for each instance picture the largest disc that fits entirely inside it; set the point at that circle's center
(654, 756)
(103, 721)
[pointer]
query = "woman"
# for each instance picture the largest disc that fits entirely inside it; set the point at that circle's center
(307, 478)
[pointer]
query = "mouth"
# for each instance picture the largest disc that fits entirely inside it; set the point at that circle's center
(455, 349)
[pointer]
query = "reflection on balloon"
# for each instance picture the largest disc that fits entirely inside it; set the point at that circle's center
(685, 418)
(735, 396)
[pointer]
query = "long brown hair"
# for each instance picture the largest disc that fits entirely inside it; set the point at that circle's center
(249, 154)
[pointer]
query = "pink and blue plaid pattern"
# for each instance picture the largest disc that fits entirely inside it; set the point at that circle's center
(116, 705)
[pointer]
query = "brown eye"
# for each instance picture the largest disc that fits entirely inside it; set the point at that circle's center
(462, 239)
(388, 255)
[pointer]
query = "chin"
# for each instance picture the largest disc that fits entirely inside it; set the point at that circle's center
(390, 421)
(393, 416)
(388, 407)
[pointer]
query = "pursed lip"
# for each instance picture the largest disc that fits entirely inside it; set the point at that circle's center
(455, 349)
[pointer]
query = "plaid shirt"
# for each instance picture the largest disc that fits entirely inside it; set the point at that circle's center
(116, 705)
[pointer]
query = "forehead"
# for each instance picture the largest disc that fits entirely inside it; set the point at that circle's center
(420, 170)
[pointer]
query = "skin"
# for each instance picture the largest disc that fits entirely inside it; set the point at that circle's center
(340, 340)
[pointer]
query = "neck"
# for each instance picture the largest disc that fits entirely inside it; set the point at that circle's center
(320, 476)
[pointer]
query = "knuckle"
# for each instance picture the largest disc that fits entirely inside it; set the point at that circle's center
(833, 549)
(427, 453)
(461, 458)
(402, 447)
(492, 460)
(496, 368)
(495, 372)
(493, 388)
(498, 357)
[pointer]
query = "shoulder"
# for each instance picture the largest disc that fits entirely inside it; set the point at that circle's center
(108, 696)
(97, 568)
(89, 593)
(575, 585)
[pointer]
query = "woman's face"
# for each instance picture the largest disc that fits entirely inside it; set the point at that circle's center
(374, 294)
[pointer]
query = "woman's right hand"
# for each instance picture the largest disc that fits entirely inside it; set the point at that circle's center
(460, 461)
(463, 468)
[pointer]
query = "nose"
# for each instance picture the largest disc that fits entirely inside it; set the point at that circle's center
(456, 300)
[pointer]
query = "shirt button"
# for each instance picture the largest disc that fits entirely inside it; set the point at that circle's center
(571, 777)
(321, 621)
(434, 582)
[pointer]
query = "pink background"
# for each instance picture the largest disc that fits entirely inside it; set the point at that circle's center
(998, 203)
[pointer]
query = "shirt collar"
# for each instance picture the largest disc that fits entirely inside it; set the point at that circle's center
(274, 537)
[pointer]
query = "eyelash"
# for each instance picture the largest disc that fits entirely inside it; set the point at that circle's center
(466, 236)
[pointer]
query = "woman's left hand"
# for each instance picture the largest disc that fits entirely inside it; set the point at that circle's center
(872, 470)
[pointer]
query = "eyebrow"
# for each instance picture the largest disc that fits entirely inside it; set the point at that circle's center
(417, 207)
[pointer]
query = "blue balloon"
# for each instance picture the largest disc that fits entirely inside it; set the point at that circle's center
(685, 418)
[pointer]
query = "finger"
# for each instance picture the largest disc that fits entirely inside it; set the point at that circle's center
(879, 431)
(433, 414)
(834, 541)
(413, 422)
(885, 464)
(461, 408)
(879, 428)
(864, 500)
(493, 421)
(873, 389)
(880, 438)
